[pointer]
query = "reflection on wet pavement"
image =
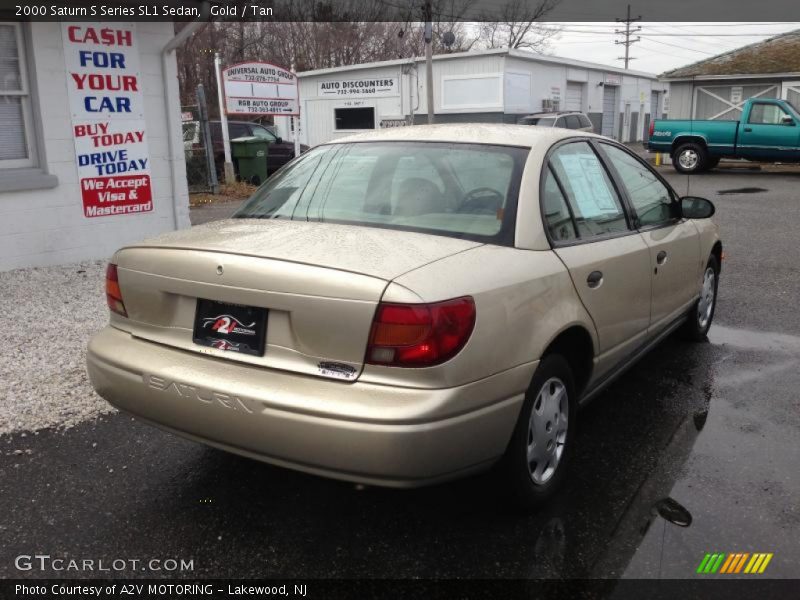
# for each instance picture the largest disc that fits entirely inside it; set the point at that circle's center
(690, 452)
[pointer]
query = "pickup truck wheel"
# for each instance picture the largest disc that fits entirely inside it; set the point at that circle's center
(690, 158)
(542, 443)
(702, 312)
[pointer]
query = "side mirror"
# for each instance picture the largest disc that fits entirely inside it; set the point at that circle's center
(787, 120)
(278, 140)
(693, 207)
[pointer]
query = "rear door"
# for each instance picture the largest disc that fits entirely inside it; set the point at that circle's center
(673, 242)
(608, 260)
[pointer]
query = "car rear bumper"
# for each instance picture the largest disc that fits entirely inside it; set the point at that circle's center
(420, 438)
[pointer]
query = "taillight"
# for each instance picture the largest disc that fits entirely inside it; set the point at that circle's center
(113, 295)
(652, 128)
(420, 335)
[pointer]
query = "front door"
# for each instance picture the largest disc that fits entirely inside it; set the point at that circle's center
(673, 243)
(769, 133)
(608, 262)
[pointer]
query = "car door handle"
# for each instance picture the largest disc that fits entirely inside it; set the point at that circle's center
(661, 257)
(748, 129)
(594, 279)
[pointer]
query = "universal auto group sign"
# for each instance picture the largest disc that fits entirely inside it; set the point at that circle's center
(260, 88)
(107, 107)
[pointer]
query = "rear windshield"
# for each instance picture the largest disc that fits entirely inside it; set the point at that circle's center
(458, 190)
(540, 121)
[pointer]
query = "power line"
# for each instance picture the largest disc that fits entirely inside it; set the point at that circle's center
(681, 47)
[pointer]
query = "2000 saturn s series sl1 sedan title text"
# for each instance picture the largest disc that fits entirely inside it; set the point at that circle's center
(411, 305)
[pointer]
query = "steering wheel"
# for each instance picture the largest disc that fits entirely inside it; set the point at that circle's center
(482, 199)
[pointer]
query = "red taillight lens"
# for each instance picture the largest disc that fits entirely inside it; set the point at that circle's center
(113, 294)
(652, 128)
(420, 335)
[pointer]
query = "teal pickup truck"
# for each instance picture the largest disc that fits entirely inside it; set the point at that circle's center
(769, 131)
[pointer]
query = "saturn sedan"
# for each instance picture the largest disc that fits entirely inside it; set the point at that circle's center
(412, 305)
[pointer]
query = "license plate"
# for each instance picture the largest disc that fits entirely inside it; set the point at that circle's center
(230, 327)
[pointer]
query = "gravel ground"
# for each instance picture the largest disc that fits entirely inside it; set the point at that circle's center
(48, 316)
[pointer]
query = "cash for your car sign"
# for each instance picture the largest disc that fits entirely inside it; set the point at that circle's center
(260, 88)
(105, 98)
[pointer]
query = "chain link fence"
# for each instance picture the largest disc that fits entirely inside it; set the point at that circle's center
(201, 172)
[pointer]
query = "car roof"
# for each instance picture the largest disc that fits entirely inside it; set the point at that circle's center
(475, 133)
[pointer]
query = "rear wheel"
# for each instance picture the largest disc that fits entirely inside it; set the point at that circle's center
(702, 313)
(541, 446)
(690, 158)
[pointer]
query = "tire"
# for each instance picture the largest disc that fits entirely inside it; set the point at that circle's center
(552, 390)
(690, 158)
(702, 313)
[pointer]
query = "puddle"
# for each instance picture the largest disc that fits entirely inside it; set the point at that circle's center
(755, 340)
(744, 190)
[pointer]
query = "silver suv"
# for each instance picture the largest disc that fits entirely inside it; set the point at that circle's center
(565, 119)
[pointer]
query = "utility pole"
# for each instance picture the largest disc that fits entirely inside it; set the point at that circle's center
(230, 176)
(627, 33)
(429, 59)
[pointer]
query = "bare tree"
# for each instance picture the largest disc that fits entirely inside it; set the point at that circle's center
(520, 26)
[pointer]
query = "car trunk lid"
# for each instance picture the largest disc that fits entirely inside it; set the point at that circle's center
(319, 283)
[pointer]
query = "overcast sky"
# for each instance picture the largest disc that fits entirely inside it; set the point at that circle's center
(663, 46)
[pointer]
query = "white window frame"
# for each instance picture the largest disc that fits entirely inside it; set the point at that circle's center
(25, 95)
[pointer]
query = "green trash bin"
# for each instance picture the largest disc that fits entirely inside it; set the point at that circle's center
(251, 157)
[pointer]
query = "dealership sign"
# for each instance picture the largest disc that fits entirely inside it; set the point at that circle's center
(375, 87)
(260, 88)
(107, 110)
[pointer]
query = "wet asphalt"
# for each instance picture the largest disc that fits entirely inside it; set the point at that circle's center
(705, 435)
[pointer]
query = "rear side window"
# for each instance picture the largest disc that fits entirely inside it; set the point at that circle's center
(573, 122)
(585, 122)
(556, 213)
(591, 195)
(237, 130)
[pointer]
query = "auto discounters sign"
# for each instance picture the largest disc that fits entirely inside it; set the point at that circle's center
(105, 98)
(260, 88)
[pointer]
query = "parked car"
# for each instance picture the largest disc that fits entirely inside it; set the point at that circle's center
(566, 119)
(279, 152)
(768, 132)
(411, 305)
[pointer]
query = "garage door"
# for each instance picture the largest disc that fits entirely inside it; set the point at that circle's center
(574, 99)
(609, 109)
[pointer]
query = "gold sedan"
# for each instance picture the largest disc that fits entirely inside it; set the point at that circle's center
(412, 305)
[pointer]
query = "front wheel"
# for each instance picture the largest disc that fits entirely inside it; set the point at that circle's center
(541, 446)
(702, 313)
(690, 158)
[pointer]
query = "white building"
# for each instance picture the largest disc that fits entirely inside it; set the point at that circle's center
(488, 86)
(91, 154)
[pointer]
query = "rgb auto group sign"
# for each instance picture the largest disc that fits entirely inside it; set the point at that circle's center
(260, 88)
(107, 107)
